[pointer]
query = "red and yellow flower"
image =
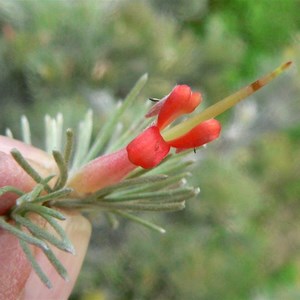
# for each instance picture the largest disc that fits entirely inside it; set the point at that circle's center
(150, 147)
(147, 150)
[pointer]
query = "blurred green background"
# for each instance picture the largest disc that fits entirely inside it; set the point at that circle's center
(240, 239)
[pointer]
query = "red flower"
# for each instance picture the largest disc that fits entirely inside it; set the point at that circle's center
(147, 150)
(151, 147)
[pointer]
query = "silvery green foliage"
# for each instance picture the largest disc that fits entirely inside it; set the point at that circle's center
(160, 189)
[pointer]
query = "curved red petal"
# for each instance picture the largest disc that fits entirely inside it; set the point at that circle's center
(180, 101)
(148, 149)
(194, 101)
(202, 134)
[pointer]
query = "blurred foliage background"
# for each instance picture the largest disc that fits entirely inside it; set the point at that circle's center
(241, 238)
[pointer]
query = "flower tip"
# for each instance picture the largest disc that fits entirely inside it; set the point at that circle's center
(180, 101)
(200, 135)
(181, 89)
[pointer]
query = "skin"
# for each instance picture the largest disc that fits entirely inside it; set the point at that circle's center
(17, 278)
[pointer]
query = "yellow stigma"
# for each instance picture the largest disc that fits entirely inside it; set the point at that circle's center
(223, 105)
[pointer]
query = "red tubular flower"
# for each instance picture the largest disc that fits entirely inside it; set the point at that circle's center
(147, 150)
(103, 171)
(150, 147)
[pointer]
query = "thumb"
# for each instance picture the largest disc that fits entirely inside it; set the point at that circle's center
(19, 281)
